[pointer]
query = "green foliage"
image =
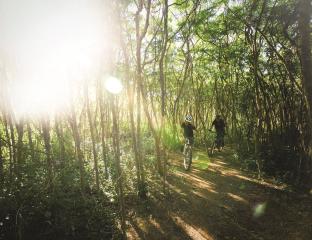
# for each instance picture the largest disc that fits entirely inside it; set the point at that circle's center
(31, 211)
(200, 160)
(171, 138)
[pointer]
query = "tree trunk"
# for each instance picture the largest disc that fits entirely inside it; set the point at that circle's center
(304, 24)
(140, 85)
(102, 120)
(31, 143)
(61, 141)
(92, 131)
(115, 113)
(77, 140)
(141, 185)
(19, 147)
(163, 92)
(48, 151)
(13, 144)
(1, 160)
(9, 144)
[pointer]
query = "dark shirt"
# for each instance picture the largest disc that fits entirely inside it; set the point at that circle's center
(219, 125)
(188, 129)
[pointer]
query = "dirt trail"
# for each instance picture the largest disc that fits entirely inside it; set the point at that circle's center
(218, 201)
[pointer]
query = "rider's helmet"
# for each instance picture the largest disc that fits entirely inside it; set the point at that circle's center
(188, 118)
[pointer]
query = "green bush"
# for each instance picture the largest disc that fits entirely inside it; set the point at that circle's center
(31, 211)
(171, 138)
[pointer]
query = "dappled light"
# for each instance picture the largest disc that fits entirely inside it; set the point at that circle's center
(193, 232)
(237, 198)
(197, 182)
(259, 210)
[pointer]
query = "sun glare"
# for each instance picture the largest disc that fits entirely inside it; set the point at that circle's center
(48, 48)
(113, 85)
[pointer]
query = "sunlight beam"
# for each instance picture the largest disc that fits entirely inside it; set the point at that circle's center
(48, 48)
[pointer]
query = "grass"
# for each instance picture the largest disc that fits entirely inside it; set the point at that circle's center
(200, 160)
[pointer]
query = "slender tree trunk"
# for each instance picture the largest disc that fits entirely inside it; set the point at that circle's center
(141, 186)
(92, 131)
(13, 144)
(102, 120)
(48, 150)
(139, 38)
(31, 143)
(61, 140)
(163, 91)
(77, 140)
(115, 113)
(162, 57)
(9, 143)
(140, 85)
(1, 160)
(305, 11)
(138, 132)
(19, 147)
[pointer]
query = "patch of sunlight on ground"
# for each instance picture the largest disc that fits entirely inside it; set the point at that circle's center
(217, 164)
(200, 161)
(237, 198)
(156, 225)
(199, 194)
(139, 223)
(197, 181)
(228, 208)
(221, 163)
(234, 173)
(192, 231)
(176, 189)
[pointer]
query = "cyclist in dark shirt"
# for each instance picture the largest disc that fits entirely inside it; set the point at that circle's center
(188, 128)
(219, 126)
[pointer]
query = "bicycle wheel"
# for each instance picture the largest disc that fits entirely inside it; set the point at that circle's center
(218, 144)
(187, 157)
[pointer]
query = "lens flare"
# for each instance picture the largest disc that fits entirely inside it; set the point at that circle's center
(113, 85)
(259, 210)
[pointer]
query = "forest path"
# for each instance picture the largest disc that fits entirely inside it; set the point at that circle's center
(216, 200)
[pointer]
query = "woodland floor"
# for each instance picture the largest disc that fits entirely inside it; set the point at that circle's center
(217, 200)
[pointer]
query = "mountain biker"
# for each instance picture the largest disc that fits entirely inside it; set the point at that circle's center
(219, 125)
(188, 128)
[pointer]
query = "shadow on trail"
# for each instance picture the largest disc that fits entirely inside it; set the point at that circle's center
(216, 200)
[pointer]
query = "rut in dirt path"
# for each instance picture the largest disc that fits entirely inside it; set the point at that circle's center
(216, 200)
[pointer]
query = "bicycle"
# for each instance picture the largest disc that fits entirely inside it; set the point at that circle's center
(217, 143)
(187, 152)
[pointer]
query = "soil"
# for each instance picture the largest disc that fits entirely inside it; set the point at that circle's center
(217, 200)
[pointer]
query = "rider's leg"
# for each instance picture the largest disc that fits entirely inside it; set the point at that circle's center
(219, 141)
(222, 140)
